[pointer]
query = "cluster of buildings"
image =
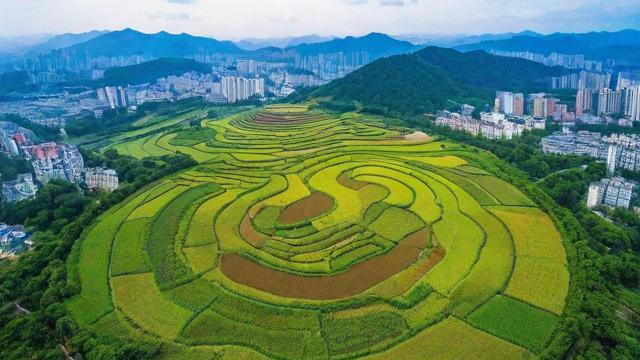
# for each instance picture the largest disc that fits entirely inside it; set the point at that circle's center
(12, 136)
(13, 239)
(613, 192)
(571, 61)
(333, 65)
(225, 89)
(490, 125)
(115, 96)
(619, 151)
(54, 110)
(538, 105)
(625, 101)
(49, 160)
(581, 80)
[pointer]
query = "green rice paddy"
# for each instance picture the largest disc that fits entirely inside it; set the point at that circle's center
(303, 235)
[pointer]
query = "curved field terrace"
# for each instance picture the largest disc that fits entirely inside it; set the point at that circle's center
(307, 235)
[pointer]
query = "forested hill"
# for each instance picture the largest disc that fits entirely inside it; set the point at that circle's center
(150, 71)
(430, 79)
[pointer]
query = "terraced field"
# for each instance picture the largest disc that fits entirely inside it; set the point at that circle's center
(304, 235)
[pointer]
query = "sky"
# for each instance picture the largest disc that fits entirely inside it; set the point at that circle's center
(238, 19)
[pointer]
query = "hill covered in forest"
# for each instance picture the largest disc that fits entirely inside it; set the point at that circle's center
(430, 79)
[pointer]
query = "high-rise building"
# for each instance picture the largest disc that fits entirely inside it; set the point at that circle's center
(613, 155)
(559, 111)
(518, 104)
(607, 101)
(506, 102)
(584, 101)
(509, 103)
(239, 88)
(632, 103)
(549, 106)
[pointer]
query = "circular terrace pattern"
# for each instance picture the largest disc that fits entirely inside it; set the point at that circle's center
(305, 235)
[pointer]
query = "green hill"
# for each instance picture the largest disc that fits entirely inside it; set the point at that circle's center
(428, 80)
(150, 71)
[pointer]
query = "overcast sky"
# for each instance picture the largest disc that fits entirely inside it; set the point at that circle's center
(237, 19)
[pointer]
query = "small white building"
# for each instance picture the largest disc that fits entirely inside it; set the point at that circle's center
(613, 192)
(100, 178)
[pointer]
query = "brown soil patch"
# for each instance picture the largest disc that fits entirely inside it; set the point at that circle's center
(418, 239)
(250, 234)
(313, 205)
(345, 180)
(288, 119)
(354, 280)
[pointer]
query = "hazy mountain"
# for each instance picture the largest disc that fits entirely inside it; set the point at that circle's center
(131, 42)
(255, 43)
(128, 47)
(459, 39)
(425, 81)
(64, 40)
(624, 45)
(375, 44)
(16, 45)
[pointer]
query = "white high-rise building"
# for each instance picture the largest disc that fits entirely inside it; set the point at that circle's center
(505, 102)
(612, 158)
(239, 88)
(632, 103)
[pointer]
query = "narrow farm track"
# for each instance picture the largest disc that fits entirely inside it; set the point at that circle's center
(303, 235)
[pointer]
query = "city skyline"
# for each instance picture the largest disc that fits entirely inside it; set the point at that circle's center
(284, 18)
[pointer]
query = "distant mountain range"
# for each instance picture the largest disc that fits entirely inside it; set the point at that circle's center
(80, 53)
(457, 40)
(256, 43)
(623, 46)
(129, 42)
(130, 47)
(63, 41)
(429, 79)
(376, 44)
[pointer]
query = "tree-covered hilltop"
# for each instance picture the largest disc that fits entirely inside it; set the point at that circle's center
(150, 71)
(428, 80)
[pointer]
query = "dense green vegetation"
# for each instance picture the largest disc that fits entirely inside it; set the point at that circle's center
(38, 283)
(433, 79)
(10, 167)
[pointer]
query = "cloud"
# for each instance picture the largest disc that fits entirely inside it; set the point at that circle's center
(381, 2)
(397, 2)
(170, 16)
(280, 18)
